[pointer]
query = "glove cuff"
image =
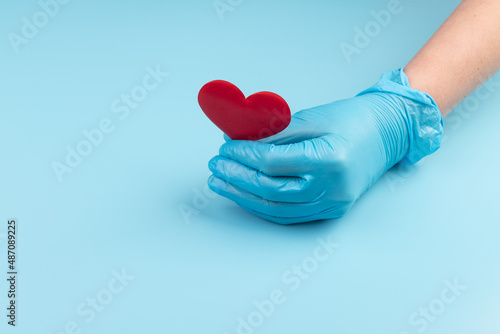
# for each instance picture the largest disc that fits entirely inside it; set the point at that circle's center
(421, 114)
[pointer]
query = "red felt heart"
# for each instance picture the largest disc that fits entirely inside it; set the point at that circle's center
(258, 116)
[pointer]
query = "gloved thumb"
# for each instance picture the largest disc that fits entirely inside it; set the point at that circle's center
(287, 136)
(301, 128)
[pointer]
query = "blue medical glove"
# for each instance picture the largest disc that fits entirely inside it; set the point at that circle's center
(329, 155)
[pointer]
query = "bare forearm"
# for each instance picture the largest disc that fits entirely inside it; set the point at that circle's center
(462, 54)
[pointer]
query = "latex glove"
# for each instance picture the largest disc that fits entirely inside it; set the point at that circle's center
(329, 155)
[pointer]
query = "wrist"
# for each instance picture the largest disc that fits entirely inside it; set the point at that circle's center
(411, 109)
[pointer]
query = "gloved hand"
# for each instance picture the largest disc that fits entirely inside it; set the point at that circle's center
(329, 155)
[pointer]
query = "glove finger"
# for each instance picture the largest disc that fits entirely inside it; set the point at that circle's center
(247, 200)
(226, 138)
(274, 188)
(296, 159)
(333, 214)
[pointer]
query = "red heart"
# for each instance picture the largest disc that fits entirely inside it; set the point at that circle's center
(259, 116)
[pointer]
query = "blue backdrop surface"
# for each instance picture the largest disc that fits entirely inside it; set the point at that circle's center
(104, 168)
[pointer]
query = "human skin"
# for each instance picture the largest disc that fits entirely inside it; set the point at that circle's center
(462, 54)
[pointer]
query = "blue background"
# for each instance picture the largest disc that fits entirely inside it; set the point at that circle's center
(121, 208)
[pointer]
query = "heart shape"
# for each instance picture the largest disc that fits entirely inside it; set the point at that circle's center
(258, 116)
